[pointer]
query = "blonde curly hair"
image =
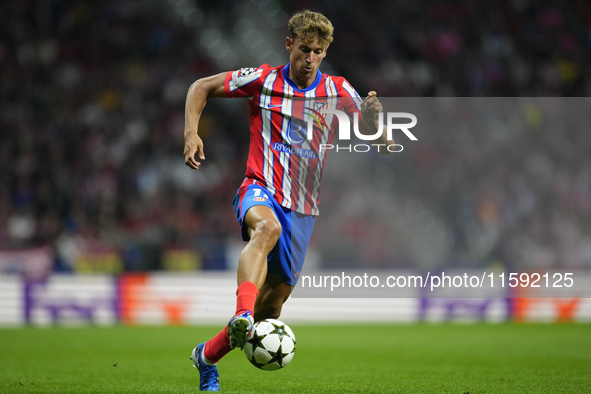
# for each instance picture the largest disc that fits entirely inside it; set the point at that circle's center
(309, 25)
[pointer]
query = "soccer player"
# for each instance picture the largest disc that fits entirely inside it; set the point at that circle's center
(277, 202)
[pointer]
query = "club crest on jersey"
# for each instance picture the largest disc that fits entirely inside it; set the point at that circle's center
(318, 105)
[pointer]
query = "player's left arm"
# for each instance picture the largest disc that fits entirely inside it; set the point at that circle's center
(370, 110)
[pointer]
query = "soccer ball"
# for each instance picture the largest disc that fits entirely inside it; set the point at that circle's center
(271, 345)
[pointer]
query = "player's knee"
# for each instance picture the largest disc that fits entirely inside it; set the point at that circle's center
(269, 229)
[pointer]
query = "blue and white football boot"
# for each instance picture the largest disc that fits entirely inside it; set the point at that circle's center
(208, 374)
(239, 329)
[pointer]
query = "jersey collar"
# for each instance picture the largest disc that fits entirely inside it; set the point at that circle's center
(291, 83)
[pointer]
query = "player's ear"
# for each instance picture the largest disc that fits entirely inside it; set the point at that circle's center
(288, 44)
(325, 51)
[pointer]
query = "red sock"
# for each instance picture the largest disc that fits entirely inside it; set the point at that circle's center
(217, 347)
(246, 295)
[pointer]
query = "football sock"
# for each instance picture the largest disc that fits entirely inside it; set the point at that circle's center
(246, 295)
(217, 347)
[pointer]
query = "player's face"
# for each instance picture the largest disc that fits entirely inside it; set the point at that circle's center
(305, 60)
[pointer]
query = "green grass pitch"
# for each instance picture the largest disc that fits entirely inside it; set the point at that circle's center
(418, 358)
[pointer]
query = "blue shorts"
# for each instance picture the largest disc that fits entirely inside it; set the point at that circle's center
(287, 257)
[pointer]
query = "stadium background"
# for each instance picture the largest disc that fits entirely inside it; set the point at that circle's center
(98, 210)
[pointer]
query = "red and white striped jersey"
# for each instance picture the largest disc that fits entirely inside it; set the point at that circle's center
(288, 166)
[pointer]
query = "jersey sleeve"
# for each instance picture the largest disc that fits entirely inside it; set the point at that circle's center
(245, 82)
(352, 103)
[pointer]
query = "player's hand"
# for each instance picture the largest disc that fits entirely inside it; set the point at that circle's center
(371, 108)
(193, 146)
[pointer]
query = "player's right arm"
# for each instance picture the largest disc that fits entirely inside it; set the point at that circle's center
(200, 91)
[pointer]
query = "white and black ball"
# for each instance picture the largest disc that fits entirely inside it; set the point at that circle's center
(271, 346)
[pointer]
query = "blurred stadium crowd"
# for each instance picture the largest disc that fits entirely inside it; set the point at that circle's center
(92, 123)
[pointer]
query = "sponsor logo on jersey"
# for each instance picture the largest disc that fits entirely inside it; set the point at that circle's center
(259, 199)
(294, 150)
(296, 132)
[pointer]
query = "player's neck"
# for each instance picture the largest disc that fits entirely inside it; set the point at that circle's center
(301, 82)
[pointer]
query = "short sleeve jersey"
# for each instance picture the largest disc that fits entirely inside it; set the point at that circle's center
(287, 165)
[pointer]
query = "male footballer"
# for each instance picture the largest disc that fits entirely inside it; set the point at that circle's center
(277, 202)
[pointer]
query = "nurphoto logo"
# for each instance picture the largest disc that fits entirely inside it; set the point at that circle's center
(318, 116)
